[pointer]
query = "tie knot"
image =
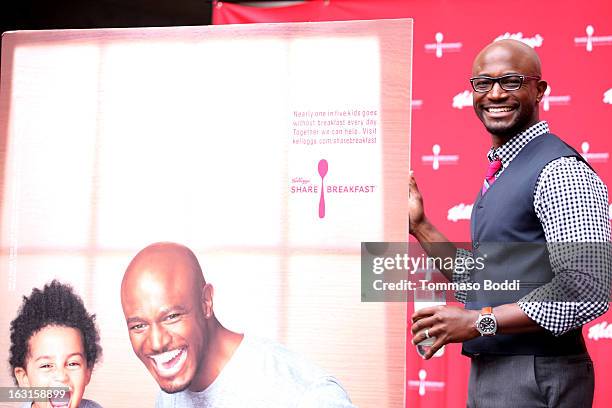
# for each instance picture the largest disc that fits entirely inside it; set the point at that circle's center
(494, 167)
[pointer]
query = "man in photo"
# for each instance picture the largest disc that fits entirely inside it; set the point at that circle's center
(168, 307)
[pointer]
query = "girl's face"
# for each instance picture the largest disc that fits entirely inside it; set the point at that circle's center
(56, 358)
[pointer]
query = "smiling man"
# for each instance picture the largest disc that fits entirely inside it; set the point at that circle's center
(540, 217)
(196, 361)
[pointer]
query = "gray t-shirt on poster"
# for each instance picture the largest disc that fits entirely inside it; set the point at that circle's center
(84, 404)
(263, 374)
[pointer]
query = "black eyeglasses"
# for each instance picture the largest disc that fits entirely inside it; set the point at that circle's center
(509, 82)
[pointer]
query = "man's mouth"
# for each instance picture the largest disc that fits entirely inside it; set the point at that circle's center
(498, 109)
(169, 363)
(61, 402)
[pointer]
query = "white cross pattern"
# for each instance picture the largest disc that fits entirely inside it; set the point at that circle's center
(439, 46)
(593, 157)
(549, 100)
(436, 158)
(423, 385)
(590, 41)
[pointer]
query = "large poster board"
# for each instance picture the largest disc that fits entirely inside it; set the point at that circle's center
(271, 150)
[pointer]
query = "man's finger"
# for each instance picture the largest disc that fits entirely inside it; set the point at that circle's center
(422, 334)
(422, 324)
(434, 348)
(425, 312)
(412, 183)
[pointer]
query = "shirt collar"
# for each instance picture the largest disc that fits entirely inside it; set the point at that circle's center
(508, 151)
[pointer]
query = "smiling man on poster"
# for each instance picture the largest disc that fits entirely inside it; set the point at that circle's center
(541, 217)
(197, 362)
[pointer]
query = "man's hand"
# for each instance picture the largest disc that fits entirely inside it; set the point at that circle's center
(416, 212)
(433, 241)
(448, 324)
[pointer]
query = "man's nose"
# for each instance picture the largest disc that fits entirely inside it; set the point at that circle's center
(497, 91)
(159, 338)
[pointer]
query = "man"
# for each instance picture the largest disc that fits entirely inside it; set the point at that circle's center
(539, 196)
(196, 361)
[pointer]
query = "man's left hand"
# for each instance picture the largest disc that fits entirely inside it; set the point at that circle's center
(448, 324)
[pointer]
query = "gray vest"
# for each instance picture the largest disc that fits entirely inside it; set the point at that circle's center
(505, 231)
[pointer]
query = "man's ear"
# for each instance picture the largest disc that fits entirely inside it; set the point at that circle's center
(22, 377)
(207, 300)
(542, 85)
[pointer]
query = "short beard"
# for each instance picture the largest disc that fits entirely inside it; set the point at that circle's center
(506, 133)
(509, 132)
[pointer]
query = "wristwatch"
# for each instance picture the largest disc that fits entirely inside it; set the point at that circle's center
(486, 323)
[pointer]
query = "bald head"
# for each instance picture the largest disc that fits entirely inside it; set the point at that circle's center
(164, 260)
(520, 53)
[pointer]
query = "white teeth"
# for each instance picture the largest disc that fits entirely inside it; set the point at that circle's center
(167, 364)
(166, 357)
(501, 109)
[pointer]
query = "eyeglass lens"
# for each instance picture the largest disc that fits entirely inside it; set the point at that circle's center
(508, 83)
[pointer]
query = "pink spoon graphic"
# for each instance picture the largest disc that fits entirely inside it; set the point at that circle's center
(322, 173)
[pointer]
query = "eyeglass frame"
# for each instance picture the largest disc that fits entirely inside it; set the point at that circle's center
(499, 78)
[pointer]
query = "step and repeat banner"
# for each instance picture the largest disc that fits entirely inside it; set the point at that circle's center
(449, 144)
(270, 150)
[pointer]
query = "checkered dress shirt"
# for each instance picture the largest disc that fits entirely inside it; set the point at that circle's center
(571, 202)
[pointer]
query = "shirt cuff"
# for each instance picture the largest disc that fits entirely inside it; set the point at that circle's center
(561, 317)
(462, 276)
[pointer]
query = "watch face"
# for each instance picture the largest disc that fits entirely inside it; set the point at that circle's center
(487, 325)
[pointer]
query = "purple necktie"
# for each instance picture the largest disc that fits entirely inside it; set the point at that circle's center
(494, 167)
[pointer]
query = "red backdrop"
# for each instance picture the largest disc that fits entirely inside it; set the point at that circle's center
(449, 143)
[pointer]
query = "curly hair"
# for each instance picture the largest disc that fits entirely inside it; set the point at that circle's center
(55, 305)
